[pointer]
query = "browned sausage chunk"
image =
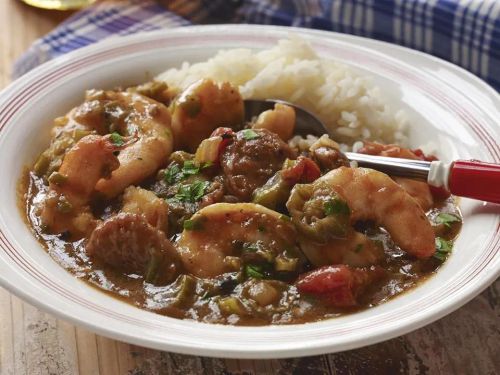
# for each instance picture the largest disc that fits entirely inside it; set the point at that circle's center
(253, 157)
(128, 243)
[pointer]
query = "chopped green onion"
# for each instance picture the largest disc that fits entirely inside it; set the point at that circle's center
(42, 164)
(249, 134)
(254, 271)
(57, 178)
(285, 218)
(443, 248)
(336, 206)
(117, 139)
(153, 268)
(446, 219)
(207, 164)
(192, 224)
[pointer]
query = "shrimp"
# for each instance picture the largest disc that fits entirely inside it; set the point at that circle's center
(203, 107)
(356, 250)
(149, 121)
(144, 202)
(419, 190)
(280, 120)
(372, 195)
(221, 232)
(70, 188)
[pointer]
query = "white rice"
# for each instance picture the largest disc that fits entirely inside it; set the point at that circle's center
(347, 102)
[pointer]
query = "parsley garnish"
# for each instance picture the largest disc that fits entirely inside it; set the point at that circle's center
(175, 174)
(249, 134)
(190, 168)
(443, 248)
(336, 206)
(172, 173)
(446, 219)
(358, 248)
(116, 139)
(254, 271)
(193, 192)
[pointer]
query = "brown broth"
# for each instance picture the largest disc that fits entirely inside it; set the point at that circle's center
(193, 298)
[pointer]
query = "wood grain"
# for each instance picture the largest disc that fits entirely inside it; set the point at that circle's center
(34, 342)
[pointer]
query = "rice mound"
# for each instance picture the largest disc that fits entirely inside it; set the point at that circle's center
(347, 102)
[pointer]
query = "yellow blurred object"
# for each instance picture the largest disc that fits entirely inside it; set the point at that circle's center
(59, 4)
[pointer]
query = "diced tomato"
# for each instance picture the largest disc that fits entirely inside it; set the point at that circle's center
(304, 170)
(338, 285)
(222, 132)
(227, 135)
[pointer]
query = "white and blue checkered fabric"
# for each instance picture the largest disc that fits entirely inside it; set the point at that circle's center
(465, 32)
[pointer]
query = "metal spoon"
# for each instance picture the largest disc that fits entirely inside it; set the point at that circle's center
(465, 178)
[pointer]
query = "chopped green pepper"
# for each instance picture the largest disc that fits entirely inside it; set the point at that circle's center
(446, 219)
(273, 194)
(231, 305)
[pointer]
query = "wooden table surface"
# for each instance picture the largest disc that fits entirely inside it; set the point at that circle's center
(34, 342)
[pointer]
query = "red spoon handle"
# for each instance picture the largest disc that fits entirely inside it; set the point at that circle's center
(475, 179)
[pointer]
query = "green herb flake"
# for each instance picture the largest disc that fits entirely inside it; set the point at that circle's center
(443, 248)
(336, 206)
(172, 174)
(358, 248)
(250, 247)
(190, 168)
(261, 228)
(254, 271)
(117, 139)
(249, 134)
(190, 224)
(192, 193)
(446, 219)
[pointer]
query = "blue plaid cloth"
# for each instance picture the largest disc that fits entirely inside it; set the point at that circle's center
(465, 32)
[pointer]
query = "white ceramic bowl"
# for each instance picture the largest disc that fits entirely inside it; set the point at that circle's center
(445, 103)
